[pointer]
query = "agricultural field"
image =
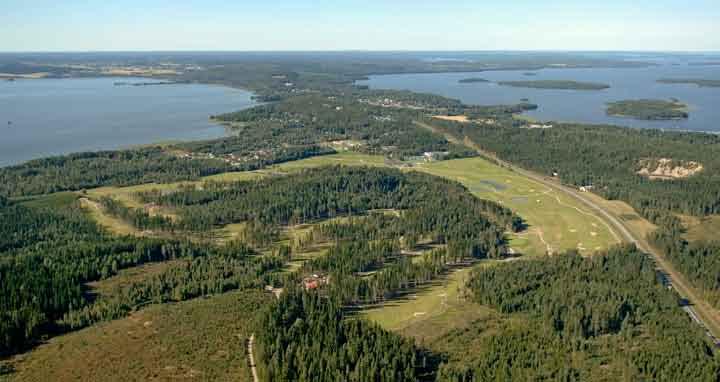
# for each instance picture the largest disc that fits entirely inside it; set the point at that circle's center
(202, 339)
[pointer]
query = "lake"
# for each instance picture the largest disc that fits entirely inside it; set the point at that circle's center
(40, 118)
(574, 105)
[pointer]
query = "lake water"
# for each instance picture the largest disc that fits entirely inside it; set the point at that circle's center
(579, 106)
(59, 116)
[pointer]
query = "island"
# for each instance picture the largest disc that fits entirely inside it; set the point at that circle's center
(703, 83)
(555, 84)
(648, 109)
(472, 80)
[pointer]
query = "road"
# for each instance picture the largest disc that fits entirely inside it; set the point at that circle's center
(697, 308)
(251, 358)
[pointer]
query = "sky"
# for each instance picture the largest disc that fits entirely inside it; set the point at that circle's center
(266, 25)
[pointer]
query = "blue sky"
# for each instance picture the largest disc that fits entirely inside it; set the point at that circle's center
(102, 25)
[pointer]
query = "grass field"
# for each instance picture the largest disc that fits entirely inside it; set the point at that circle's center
(201, 339)
(556, 221)
(707, 228)
(431, 310)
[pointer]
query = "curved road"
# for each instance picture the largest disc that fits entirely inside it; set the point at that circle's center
(697, 308)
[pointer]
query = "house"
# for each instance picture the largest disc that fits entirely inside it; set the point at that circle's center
(315, 281)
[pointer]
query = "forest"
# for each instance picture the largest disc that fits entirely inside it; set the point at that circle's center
(699, 260)
(608, 159)
(428, 203)
(648, 109)
(555, 84)
(577, 304)
(703, 83)
(129, 167)
(49, 250)
(385, 233)
(307, 338)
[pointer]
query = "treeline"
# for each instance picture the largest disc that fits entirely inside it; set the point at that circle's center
(429, 203)
(130, 167)
(305, 337)
(48, 252)
(609, 158)
(216, 270)
(363, 273)
(88, 170)
(136, 217)
(616, 298)
(699, 261)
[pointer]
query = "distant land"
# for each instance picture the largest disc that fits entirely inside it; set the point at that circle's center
(556, 84)
(705, 63)
(648, 109)
(472, 80)
(696, 81)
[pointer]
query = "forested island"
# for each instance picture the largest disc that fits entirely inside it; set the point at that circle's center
(555, 84)
(648, 109)
(703, 83)
(472, 80)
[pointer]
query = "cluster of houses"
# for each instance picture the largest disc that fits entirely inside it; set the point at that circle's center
(231, 159)
(429, 156)
(389, 102)
(537, 126)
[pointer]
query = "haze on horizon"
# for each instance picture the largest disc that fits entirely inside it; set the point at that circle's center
(134, 25)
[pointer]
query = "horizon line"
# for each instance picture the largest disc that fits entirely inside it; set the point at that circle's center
(367, 51)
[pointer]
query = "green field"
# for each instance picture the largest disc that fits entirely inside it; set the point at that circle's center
(556, 221)
(201, 339)
(431, 310)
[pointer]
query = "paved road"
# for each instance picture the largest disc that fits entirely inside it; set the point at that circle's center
(697, 308)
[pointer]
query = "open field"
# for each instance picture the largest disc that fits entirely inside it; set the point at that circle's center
(707, 228)
(556, 221)
(454, 118)
(126, 277)
(431, 310)
(202, 339)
